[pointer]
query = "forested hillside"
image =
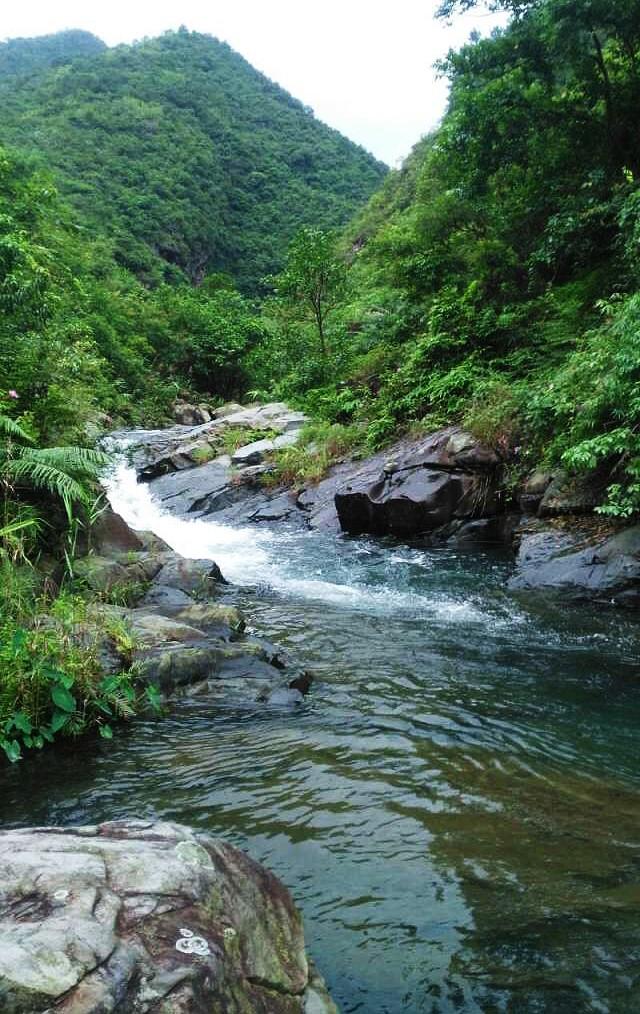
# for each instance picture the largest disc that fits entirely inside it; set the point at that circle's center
(21, 57)
(494, 277)
(180, 151)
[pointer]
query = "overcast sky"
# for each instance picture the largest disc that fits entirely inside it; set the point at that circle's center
(364, 66)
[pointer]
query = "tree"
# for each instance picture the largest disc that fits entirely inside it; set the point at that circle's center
(314, 276)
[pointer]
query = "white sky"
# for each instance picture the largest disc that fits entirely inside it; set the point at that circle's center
(364, 66)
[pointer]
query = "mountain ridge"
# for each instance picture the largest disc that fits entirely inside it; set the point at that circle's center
(186, 156)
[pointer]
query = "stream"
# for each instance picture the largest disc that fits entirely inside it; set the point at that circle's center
(456, 805)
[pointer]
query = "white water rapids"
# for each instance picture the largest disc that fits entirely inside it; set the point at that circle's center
(300, 564)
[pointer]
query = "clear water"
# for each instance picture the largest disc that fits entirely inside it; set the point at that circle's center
(456, 806)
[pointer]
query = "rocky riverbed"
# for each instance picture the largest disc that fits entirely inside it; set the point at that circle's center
(444, 488)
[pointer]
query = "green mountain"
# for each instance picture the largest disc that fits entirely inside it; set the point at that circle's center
(176, 148)
(19, 57)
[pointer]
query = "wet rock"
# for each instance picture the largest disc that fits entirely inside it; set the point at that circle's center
(274, 416)
(198, 578)
(252, 454)
(216, 618)
(155, 453)
(303, 683)
(111, 535)
(420, 486)
(580, 561)
(496, 531)
(140, 916)
(282, 697)
(125, 577)
(206, 489)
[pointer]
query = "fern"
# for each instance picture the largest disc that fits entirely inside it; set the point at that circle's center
(41, 475)
(65, 472)
(10, 428)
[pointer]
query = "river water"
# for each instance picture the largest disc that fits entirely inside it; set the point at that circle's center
(456, 806)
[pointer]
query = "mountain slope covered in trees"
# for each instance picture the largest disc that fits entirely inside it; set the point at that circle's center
(182, 153)
(494, 278)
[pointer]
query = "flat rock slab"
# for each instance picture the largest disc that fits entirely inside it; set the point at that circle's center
(255, 453)
(140, 916)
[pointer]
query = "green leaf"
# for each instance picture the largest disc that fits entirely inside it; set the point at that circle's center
(63, 699)
(50, 672)
(22, 722)
(12, 749)
(106, 732)
(58, 721)
(18, 641)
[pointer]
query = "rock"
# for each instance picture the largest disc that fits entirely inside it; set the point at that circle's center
(533, 491)
(421, 486)
(303, 683)
(155, 453)
(111, 535)
(125, 577)
(274, 416)
(255, 453)
(252, 454)
(198, 578)
(139, 916)
(571, 494)
(282, 697)
(229, 409)
(190, 415)
(224, 621)
(171, 666)
(580, 561)
(166, 598)
(496, 531)
(152, 630)
(206, 489)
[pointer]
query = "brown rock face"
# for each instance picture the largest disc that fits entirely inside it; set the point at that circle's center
(137, 916)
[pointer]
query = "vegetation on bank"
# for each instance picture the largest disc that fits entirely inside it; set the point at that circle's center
(493, 280)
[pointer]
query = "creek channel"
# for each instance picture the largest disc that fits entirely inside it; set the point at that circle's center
(456, 805)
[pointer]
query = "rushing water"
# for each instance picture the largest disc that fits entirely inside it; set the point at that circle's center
(456, 806)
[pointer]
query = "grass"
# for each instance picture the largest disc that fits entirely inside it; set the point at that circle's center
(321, 445)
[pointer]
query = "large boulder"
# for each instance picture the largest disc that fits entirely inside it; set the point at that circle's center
(147, 917)
(208, 489)
(421, 486)
(580, 560)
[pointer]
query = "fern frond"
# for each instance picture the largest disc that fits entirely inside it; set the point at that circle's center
(42, 475)
(10, 428)
(80, 462)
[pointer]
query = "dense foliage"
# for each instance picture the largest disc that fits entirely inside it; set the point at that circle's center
(183, 154)
(493, 277)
